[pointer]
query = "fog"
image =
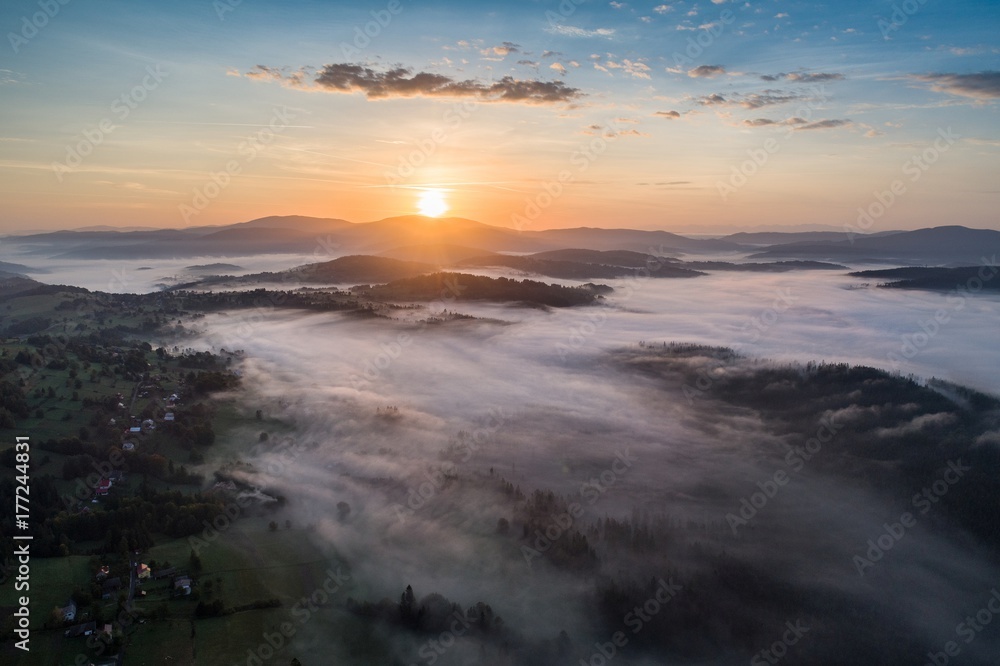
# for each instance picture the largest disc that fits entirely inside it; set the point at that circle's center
(548, 403)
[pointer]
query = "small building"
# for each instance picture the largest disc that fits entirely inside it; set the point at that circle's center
(135, 430)
(103, 572)
(85, 629)
(182, 585)
(68, 612)
(111, 587)
(142, 571)
(103, 487)
(128, 446)
(164, 573)
(148, 425)
(169, 416)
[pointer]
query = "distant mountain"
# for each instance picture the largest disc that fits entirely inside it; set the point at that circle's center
(213, 269)
(439, 254)
(650, 242)
(626, 258)
(579, 270)
(937, 245)
(294, 222)
(764, 267)
(786, 237)
(444, 241)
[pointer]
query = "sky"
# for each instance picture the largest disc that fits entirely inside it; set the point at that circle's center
(696, 117)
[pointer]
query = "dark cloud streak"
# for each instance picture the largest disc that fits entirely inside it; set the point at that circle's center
(401, 82)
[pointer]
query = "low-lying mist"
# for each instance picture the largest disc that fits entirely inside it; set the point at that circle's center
(420, 428)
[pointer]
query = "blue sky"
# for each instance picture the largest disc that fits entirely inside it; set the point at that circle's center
(787, 114)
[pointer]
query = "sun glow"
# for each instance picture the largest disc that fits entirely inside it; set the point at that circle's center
(432, 203)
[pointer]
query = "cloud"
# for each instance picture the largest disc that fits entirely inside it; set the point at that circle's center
(635, 69)
(504, 49)
(765, 122)
(8, 76)
(397, 82)
(825, 124)
(706, 71)
(918, 424)
(573, 31)
(750, 101)
(981, 85)
(804, 77)
(663, 9)
(559, 67)
(670, 115)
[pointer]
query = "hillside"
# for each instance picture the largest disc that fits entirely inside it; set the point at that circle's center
(937, 245)
(446, 287)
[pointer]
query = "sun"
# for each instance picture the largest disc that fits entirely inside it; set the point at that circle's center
(432, 203)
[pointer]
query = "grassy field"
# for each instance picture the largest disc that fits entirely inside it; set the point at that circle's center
(52, 583)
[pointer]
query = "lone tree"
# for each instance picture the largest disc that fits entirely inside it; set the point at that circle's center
(194, 561)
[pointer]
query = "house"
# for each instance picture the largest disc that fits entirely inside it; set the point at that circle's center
(103, 487)
(116, 476)
(148, 425)
(111, 587)
(85, 629)
(164, 573)
(135, 430)
(128, 446)
(68, 611)
(103, 573)
(142, 571)
(169, 416)
(182, 585)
